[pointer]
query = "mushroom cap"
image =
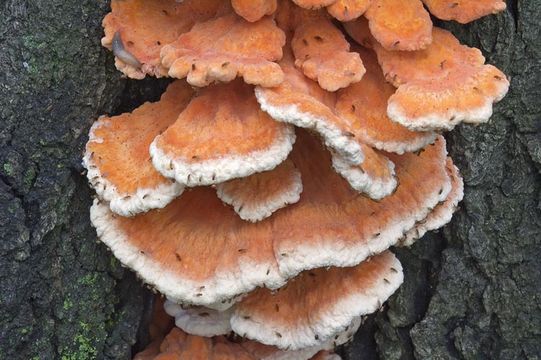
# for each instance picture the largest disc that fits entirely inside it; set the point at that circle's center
(399, 24)
(146, 26)
(197, 251)
(118, 159)
(464, 11)
(253, 10)
(178, 345)
(441, 86)
(256, 197)
(364, 105)
(322, 53)
(224, 48)
(318, 304)
(347, 10)
(221, 135)
(443, 212)
(301, 102)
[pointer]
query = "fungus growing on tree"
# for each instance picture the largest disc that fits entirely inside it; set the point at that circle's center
(256, 197)
(224, 48)
(221, 135)
(279, 247)
(118, 159)
(310, 311)
(143, 27)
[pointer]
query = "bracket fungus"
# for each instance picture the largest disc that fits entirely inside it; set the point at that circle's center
(262, 201)
(118, 159)
(221, 135)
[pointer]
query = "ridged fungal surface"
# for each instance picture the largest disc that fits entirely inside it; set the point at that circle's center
(297, 142)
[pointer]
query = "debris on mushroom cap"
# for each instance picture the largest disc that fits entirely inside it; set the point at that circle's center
(179, 345)
(118, 159)
(197, 251)
(464, 11)
(443, 212)
(399, 24)
(200, 321)
(221, 135)
(347, 10)
(441, 86)
(253, 10)
(323, 54)
(318, 304)
(364, 105)
(224, 48)
(301, 102)
(257, 196)
(143, 27)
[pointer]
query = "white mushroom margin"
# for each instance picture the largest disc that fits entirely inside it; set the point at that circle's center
(215, 171)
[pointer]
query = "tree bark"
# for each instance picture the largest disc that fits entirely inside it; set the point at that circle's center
(472, 291)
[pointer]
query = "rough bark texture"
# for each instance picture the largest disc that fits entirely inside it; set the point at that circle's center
(472, 291)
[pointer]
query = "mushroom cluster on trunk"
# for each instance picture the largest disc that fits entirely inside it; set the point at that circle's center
(298, 141)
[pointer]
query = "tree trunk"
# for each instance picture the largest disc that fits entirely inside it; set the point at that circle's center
(472, 291)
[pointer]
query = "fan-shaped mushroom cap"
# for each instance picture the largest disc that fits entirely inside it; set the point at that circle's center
(364, 105)
(118, 160)
(224, 48)
(318, 304)
(301, 102)
(442, 213)
(257, 196)
(347, 10)
(253, 10)
(178, 345)
(399, 24)
(441, 86)
(322, 52)
(464, 11)
(200, 321)
(221, 135)
(197, 251)
(143, 27)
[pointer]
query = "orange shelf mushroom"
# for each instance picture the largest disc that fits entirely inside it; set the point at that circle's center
(118, 160)
(310, 311)
(249, 226)
(443, 212)
(180, 345)
(464, 11)
(253, 10)
(198, 252)
(223, 48)
(221, 135)
(323, 54)
(256, 197)
(143, 27)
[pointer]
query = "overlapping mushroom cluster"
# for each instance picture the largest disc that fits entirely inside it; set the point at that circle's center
(261, 192)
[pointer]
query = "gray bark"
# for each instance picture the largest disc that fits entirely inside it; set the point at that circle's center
(472, 291)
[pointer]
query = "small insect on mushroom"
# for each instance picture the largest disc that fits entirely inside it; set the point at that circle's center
(121, 53)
